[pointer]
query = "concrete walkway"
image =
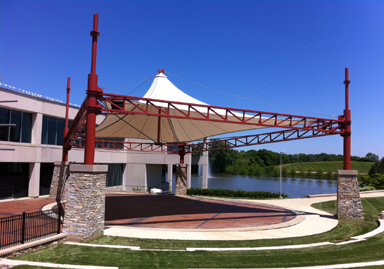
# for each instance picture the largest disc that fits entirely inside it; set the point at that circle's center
(315, 222)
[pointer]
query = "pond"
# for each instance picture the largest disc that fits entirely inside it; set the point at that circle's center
(293, 187)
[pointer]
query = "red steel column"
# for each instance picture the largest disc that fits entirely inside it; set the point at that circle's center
(92, 95)
(66, 129)
(347, 126)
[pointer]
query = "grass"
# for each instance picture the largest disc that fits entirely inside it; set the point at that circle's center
(362, 167)
(369, 250)
(372, 249)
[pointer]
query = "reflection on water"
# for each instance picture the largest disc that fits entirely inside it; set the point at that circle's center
(293, 187)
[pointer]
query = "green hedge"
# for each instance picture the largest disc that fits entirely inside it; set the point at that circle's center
(238, 193)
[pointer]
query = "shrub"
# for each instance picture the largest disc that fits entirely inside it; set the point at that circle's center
(231, 193)
(377, 181)
(319, 173)
(292, 172)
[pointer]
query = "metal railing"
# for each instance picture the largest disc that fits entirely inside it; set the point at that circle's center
(20, 229)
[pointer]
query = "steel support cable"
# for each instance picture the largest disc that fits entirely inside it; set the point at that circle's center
(122, 119)
(141, 84)
(252, 100)
(172, 128)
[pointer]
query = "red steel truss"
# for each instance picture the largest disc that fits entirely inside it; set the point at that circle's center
(217, 144)
(217, 114)
(296, 127)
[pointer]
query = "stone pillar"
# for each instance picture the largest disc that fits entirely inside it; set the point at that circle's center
(169, 177)
(348, 196)
(85, 207)
(181, 179)
(59, 177)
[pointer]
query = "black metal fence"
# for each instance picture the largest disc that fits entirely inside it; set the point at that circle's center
(27, 227)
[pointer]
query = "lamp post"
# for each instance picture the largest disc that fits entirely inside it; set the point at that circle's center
(281, 181)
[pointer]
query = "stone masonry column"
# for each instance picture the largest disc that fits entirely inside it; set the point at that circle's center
(348, 196)
(181, 179)
(85, 207)
(59, 176)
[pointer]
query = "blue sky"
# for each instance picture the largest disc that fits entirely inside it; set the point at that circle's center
(286, 53)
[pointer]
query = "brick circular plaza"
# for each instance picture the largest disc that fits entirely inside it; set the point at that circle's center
(193, 214)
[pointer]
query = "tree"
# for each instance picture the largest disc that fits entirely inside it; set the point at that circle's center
(377, 167)
(220, 159)
(319, 173)
(292, 172)
(372, 156)
(284, 171)
(377, 181)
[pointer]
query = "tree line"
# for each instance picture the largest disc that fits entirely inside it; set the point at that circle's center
(265, 162)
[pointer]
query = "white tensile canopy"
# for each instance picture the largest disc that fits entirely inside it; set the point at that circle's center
(172, 130)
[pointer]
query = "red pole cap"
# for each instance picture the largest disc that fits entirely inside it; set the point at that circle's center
(161, 71)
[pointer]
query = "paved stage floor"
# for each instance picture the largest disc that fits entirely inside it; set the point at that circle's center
(192, 214)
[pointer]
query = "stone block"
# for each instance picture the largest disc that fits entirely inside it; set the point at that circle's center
(59, 177)
(348, 196)
(85, 206)
(181, 179)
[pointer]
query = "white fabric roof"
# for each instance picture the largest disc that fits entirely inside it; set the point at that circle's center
(173, 130)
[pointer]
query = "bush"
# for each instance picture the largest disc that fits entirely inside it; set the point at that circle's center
(292, 172)
(377, 181)
(319, 173)
(284, 171)
(367, 188)
(231, 193)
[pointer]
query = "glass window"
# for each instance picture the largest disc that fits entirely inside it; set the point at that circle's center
(14, 180)
(15, 131)
(108, 142)
(52, 125)
(44, 132)
(46, 172)
(22, 132)
(26, 130)
(115, 174)
(53, 130)
(4, 119)
(60, 131)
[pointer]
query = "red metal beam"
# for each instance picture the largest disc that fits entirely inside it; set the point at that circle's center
(65, 150)
(235, 142)
(347, 125)
(93, 94)
(77, 124)
(218, 114)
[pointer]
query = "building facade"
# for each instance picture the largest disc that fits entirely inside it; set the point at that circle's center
(29, 148)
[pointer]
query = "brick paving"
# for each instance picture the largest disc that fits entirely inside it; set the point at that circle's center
(170, 212)
(17, 207)
(175, 212)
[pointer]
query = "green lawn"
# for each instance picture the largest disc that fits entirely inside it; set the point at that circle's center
(370, 250)
(362, 167)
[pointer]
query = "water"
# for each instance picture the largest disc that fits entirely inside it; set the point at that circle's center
(293, 187)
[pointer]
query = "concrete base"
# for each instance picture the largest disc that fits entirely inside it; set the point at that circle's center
(181, 179)
(59, 177)
(348, 196)
(85, 207)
